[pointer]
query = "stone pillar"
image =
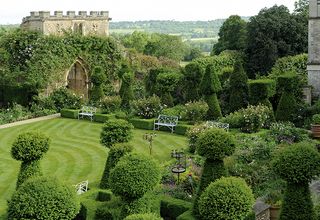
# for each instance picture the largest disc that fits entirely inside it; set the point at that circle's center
(314, 46)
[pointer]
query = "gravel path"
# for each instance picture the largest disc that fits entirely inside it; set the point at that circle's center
(30, 121)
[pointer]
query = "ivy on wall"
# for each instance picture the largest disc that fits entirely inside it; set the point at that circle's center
(34, 61)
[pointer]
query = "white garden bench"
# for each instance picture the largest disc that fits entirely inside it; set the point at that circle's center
(215, 124)
(167, 121)
(87, 111)
(82, 187)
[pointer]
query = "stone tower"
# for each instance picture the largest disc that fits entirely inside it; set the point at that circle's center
(314, 46)
(96, 23)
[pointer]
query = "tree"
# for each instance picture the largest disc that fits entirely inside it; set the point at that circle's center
(98, 78)
(272, 34)
(301, 7)
(238, 88)
(126, 92)
(137, 40)
(164, 45)
(232, 35)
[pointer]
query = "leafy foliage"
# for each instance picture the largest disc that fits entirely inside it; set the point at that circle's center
(43, 198)
(110, 104)
(133, 176)
(238, 88)
(193, 75)
(27, 170)
(30, 146)
(232, 35)
(195, 111)
(215, 144)
(227, 198)
(115, 131)
(297, 203)
(166, 84)
(126, 92)
(272, 34)
(297, 163)
(147, 107)
(146, 216)
(261, 90)
(286, 108)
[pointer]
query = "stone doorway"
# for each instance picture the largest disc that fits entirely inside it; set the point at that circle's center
(77, 80)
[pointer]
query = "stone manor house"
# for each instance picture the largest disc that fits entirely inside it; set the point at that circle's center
(95, 23)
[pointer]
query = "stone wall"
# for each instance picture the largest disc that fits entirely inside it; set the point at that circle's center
(95, 23)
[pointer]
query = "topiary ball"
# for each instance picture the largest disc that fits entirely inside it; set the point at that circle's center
(43, 198)
(215, 144)
(297, 163)
(226, 198)
(145, 216)
(115, 131)
(133, 176)
(30, 146)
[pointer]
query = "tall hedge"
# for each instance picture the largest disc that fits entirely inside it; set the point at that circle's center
(210, 86)
(167, 83)
(115, 154)
(43, 198)
(298, 164)
(193, 75)
(98, 78)
(260, 91)
(29, 148)
(126, 92)
(226, 198)
(239, 96)
(287, 105)
(214, 144)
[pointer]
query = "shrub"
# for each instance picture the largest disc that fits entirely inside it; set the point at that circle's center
(238, 88)
(193, 76)
(261, 90)
(147, 107)
(133, 176)
(210, 86)
(195, 111)
(102, 117)
(287, 132)
(97, 79)
(226, 198)
(104, 195)
(115, 131)
(145, 216)
(316, 119)
(64, 98)
(43, 198)
(187, 215)
(215, 144)
(166, 84)
(178, 110)
(115, 154)
(172, 208)
(69, 113)
(298, 163)
(182, 129)
(193, 134)
(250, 119)
(110, 104)
(287, 106)
(126, 92)
(30, 146)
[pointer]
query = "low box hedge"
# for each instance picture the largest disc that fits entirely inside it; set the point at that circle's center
(140, 123)
(104, 195)
(182, 128)
(98, 117)
(172, 208)
(69, 113)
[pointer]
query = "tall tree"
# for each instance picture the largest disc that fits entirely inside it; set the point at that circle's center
(232, 35)
(272, 34)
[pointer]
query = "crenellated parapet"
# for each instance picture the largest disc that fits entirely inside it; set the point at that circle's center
(92, 23)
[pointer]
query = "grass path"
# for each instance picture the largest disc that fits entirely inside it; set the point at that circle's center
(75, 153)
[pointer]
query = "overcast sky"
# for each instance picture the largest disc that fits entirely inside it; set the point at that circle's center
(12, 11)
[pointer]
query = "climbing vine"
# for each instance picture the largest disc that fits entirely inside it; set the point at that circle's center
(32, 60)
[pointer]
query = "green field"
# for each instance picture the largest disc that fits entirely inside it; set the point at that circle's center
(75, 153)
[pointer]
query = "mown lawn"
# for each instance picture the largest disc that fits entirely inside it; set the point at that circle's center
(75, 153)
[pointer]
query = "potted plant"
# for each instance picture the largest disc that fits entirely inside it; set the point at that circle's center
(315, 127)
